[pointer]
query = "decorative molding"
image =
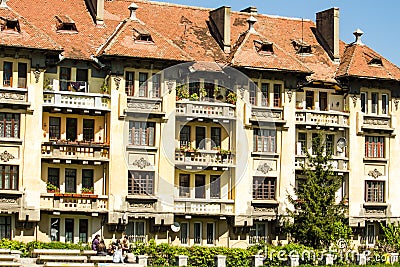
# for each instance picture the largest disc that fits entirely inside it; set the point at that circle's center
(396, 103)
(170, 85)
(117, 81)
(141, 205)
(145, 106)
(264, 168)
(375, 210)
(375, 173)
(264, 210)
(37, 75)
(380, 121)
(241, 90)
(13, 96)
(141, 163)
(266, 114)
(354, 98)
(290, 94)
(5, 156)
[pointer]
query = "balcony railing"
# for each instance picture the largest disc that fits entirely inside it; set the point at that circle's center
(379, 122)
(76, 100)
(205, 109)
(266, 114)
(198, 207)
(257, 239)
(203, 158)
(338, 164)
(74, 202)
(322, 118)
(75, 150)
(14, 96)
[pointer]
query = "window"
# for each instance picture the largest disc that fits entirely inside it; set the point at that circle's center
(140, 183)
(65, 79)
(144, 37)
(200, 186)
(329, 142)
(264, 188)
(141, 133)
(375, 191)
(197, 233)
(364, 102)
(253, 93)
(87, 178)
(385, 104)
(374, 146)
(53, 176)
(266, 49)
(323, 101)
(309, 99)
(55, 229)
(72, 129)
(201, 137)
(210, 233)
(370, 235)
(258, 233)
(7, 73)
(129, 83)
(184, 136)
(22, 74)
(184, 233)
(5, 227)
(301, 143)
(54, 128)
(136, 231)
(264, 140)
(216, 136)
(70, 180)
(265, 94)
(88, 129)
(8, 177)
(65, 24)
(81, 80)
(143, 76)
(209, 87)
(69, 230)
(10, 24)
(215, 186)
(374, 98)
(156, 85)
(184, 185)
(314, 136)
(277, 95)
(83, 230)
(9, 125)
(194, 87)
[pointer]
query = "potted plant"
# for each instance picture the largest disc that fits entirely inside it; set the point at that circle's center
(224, 154)
(104, 88)
(231, 98)
(194, 97)
(87, 190)
(46, 85)
(51, 188)
(203, 92)
(182, 92)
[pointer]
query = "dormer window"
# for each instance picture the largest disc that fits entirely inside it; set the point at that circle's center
(376, 62)
(66, 25)
(9, 25)
(301, 47)
(143, 36)
(264, 48)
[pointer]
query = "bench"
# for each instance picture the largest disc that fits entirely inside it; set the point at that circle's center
(98, 259)
(7, 259)
(37, 251)
(69, 264)
(89, 252)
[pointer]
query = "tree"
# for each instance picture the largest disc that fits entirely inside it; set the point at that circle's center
(317, 218)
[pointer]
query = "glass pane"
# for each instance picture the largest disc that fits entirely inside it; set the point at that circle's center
(55, 229)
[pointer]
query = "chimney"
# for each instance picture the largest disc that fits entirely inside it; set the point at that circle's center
(132, 8)
(252, 20)
(220, 26)
(96, 9)
(251, 9)
(3, 4)
(358, 33)
(328, 28)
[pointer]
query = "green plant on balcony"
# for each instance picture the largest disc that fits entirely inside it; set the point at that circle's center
(87, 190)
(224, 152)
(46, 85)
(231, 98)
(203, 92)
(194, 97)
(104, 88)
(182, 92)
(51, 188)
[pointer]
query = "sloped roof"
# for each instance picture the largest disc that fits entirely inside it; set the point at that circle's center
(359, 60)
(29, 36)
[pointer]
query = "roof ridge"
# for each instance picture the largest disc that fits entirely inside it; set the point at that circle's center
(174, 5)
(102, 48)
(238, 45)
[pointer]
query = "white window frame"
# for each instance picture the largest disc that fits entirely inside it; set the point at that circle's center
(213, 237)
(367, 231)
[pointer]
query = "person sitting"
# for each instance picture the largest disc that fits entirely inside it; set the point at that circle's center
(117, 256)
(125, 245)
(95, 242)
(102, 249)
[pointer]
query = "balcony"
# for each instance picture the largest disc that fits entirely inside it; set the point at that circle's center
(76, 101)
(73, 202)
(322, 118)
(203, 109)
(14, 97)
(75, 151)
(266, 114)
(204, 207)
(204, 158)
(339, 164)
(375, 122)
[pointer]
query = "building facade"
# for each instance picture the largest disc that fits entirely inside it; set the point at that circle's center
(185, 125)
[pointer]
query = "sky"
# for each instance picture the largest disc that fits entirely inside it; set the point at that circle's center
(379, 20)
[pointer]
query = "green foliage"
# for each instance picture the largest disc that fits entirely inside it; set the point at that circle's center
(182, 92)
(87, 189)
(317, 219)
(231, 98)
(51, 187)
(194, 96)
(14, 245)
(391, 237)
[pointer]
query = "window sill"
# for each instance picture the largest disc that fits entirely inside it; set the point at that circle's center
(375, 159)
(10, 140)
(264, 201)
(10, 192)
(265, 154)
(375, 204)
(204, 200)
(146, 148)
(141, 197)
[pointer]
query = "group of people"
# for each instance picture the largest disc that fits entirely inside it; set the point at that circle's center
(118, 249)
